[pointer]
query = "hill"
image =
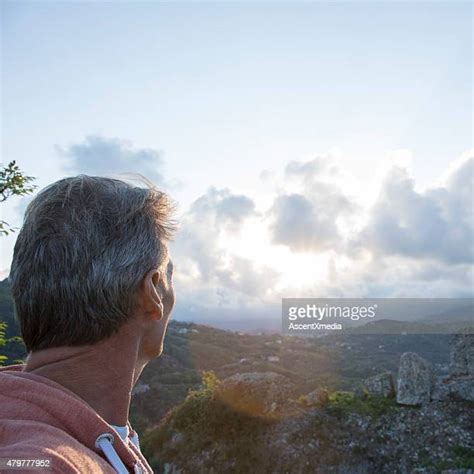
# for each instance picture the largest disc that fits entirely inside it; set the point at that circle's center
(337, 362)
(256, 422)
(187, 425)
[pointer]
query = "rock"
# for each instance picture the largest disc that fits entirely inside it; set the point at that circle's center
(381, 384)
(460, 388)
(462, 355)
(415, 380)
(318, 397)
(463, 389)
(441, 389)
(459, 384)
(256, 393)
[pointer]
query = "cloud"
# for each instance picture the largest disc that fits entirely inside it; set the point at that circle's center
(101, 156)
(322, 166)
(247, 278)
(408, 243)
(209, 217)
(435, 224)
(405, 243)
(307, 231)
(223, 207)
(298, 225)
(309, 218)
(266, 176)
(207, 269)
(395, 276)
(234, 251)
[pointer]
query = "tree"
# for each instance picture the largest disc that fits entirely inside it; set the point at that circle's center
(3, 341)
(13, 182)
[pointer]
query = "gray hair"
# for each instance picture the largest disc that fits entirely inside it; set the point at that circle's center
(85, 245)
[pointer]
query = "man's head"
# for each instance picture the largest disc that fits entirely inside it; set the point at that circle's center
(91, 256)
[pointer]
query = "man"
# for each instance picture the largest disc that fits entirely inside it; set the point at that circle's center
(91, 281)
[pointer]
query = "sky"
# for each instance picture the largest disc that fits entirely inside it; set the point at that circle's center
(314, 148)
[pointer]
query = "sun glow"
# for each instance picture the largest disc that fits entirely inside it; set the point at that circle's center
(301, 271)
(296, 271)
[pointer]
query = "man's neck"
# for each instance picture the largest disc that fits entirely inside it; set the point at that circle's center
(102, 374)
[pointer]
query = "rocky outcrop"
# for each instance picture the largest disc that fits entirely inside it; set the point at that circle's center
(380, 385)
(322, 440)
(316, 398)
(459, 384)
(338, 433)
(415, 380)
(462, 355)
(256, 393)
(461, 388)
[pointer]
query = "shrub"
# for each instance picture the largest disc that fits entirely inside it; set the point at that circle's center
(205, 420)
(209, 380)
(343, 403)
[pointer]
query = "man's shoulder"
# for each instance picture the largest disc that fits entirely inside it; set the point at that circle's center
(34, 441)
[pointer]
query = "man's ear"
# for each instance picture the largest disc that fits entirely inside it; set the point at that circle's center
(152, 302)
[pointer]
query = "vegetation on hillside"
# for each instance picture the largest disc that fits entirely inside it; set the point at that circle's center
(205, 434)
(336, 362)
(13, 182)
(201, 418)
(183, 421)
(12, 348)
